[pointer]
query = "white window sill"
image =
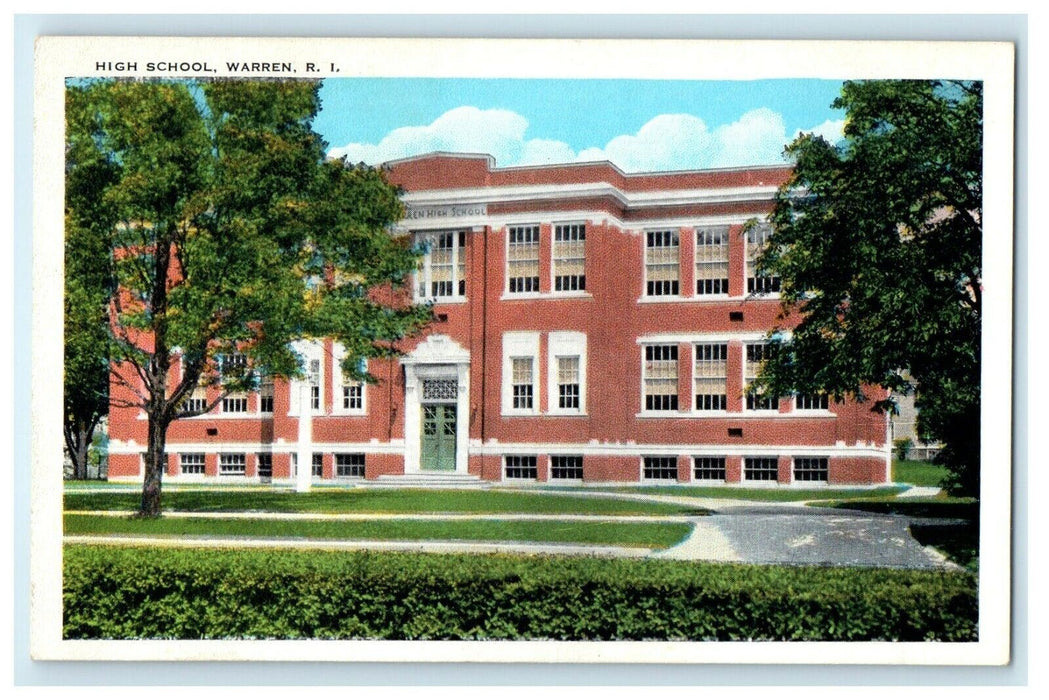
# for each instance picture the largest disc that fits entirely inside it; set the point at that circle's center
(350, 414)
(533, 296)
(558, 413)
(440, 300)
(735, 415)
(520, 414)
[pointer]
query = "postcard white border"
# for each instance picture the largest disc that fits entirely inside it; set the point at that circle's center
(61, 57)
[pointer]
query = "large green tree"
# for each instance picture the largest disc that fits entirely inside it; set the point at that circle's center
(877, 242)
(232, 234)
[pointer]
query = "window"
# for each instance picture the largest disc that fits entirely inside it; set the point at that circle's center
(569, 258)
(660, 468)
(811, 402)
(566, 467)
(661, 263)
(317, 464)
(810, 469)
(192, 463)
(711, 376)
(232, 463)
(353, 391)
(520, 467)
(442, 270)
(568, 382)
(523, 382)
(757, 353)
(522, 260)
(660, 378)
(198, 400)
(760, 469)
(758, 282)
(265, 462)
(708, 468)
(266, 395)
(349, 465)
(235, 403)
(315, 384)
(712, 260)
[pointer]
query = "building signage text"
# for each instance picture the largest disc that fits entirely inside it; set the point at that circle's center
(446, 211)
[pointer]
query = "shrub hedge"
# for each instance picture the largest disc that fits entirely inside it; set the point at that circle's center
(136, 593)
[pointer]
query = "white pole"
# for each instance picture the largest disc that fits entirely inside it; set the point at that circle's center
(304, 452)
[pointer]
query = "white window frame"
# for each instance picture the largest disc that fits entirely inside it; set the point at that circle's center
(309, 350)
(696, 468)
(229, 455)
(724, 231)
(696, 376)
(819, 409)
(743, 470)
(658, 479)
(565, 344)
(554, 258)
(363, 465)
(766, 228)
(645, 410)
(538, 260)
(674, 232)
(506, 467)
(182, 464)
(424, 273)
(550, 473)
(746, 393)
(819, 458)
(518, 344)
(339, 382)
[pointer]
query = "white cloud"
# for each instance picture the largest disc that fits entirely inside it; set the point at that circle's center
(832, 130)
(666, 142)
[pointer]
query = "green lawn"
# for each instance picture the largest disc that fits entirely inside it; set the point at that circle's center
(939, 507)
(655, 535)
(378, 501)
(917, 473)
(750, 494)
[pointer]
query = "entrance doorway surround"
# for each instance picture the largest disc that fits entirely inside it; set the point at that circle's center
(443, 364)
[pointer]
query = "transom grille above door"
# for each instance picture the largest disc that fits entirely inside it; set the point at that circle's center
(440, 389)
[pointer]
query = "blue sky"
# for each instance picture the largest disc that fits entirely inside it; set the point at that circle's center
(641, 125)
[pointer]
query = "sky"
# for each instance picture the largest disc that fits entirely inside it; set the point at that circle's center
(640, 125)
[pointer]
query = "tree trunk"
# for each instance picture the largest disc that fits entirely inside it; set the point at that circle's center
(80, 456)
(155, 464)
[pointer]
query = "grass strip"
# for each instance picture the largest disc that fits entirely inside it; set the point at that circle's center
(940, 507)
(156, 593)
(377, 501)
(654, 535)
(917, 473)
(767, 495)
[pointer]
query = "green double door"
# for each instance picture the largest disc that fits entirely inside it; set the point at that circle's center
(438, 437)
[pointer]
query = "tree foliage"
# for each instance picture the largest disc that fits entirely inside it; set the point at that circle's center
(877, 242)
(231, 233)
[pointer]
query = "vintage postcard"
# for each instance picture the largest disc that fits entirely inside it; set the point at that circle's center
(522, 350)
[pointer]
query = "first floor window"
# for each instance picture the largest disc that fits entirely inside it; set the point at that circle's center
(235, 403)
(521, 467)
(661, 468)
(757, 353)
(192, 463)
(232, 463)
(266, 395)
(709, 469)
(811, 402)
(351, 465)
(523, 387)
(810, 469)
(660, 378)
(568, 382)
(761, 469)
(265, 462)
(317, 464)
(566, 467)
(711, 376)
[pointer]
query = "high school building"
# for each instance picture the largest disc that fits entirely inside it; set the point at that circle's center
(592, 327)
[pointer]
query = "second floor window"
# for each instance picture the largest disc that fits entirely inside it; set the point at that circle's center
(759, 281)
(757, 353)
(442, 270)
(266, 395)
(712, 260)
(662, 255)
(569, 259)
(522, 256)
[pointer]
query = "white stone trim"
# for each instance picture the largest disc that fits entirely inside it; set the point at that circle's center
(439, 356)
(373, 447)
(308, 350)
(496, 449)
(712, 337)
(519, 344)
(565, 344)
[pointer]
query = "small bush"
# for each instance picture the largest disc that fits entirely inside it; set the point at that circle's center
(902, 447)
(138, 593)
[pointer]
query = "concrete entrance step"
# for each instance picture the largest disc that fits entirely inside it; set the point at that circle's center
(429, 480)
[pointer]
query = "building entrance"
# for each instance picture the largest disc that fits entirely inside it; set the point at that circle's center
(438, 437)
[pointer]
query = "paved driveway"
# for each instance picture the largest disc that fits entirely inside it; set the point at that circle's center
(786, 535)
